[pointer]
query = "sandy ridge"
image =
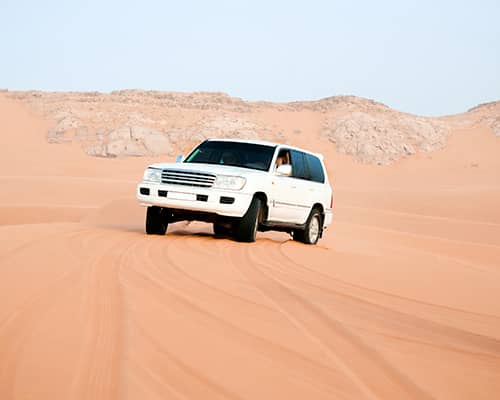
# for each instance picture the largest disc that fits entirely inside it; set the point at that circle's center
(397, 301)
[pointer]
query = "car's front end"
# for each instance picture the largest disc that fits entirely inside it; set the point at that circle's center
(220, 190)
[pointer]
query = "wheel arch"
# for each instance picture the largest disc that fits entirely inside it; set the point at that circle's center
(263, 197)
(321, 209)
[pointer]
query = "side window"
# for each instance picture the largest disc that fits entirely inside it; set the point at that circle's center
(298, 165)
(315, 168)
(283, 158)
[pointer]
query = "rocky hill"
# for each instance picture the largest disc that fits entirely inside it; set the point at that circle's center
(139, 123)
(489, 114)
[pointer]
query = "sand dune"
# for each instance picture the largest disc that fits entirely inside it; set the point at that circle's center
(398, 301)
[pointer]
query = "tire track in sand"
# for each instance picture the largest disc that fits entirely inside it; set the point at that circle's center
(350, 287)
(98, 374)
(371, 373)
(135, 279)
(150, 282)
(407, 325)
(18, 327)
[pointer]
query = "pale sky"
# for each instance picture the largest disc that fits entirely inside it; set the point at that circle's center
(424, 57)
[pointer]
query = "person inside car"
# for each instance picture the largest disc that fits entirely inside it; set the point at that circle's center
(283, 158)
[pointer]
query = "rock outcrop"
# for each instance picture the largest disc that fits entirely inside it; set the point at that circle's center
(384, 137)
(149, 123)
(489, 114)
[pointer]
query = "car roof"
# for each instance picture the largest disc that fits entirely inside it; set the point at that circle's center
(265, 143)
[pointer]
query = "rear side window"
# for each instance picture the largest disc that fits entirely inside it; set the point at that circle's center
(299, 169)
(315, 168)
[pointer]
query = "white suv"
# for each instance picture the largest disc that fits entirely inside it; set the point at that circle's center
(241, 186)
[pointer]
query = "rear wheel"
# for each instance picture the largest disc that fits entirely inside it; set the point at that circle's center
(246, 228)
(312, 231)
(156, 221)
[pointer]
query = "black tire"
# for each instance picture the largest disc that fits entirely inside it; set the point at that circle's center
(313, 229)
(298, 235)
(221, 230)
(246, 228)
(156, 221)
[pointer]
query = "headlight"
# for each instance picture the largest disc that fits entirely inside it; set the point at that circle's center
(230, 182)
(152, 175)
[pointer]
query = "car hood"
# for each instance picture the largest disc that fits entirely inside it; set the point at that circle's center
(216, 169)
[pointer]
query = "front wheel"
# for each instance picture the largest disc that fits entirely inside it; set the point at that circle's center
(156, 221)
(246, 228)
(221, 230)
(312, 231)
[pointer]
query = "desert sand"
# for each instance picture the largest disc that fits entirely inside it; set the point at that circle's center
(400, 299)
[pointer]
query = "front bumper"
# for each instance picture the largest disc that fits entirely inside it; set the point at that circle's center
(229, 203)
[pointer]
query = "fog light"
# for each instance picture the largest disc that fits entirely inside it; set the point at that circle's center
(226, 200)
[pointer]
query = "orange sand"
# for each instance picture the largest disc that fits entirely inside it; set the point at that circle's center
(400, 300)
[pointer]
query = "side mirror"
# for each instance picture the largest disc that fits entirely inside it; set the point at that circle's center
(179, 158)
(284, 169)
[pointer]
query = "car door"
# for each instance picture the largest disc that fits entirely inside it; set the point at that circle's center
(280, 198)
(287, 202)
(303, 190)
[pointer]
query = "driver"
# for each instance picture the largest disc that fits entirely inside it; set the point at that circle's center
(283, 158)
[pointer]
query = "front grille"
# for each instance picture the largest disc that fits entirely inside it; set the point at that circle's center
(187, 178)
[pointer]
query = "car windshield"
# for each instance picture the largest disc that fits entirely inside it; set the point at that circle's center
(235, 154)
